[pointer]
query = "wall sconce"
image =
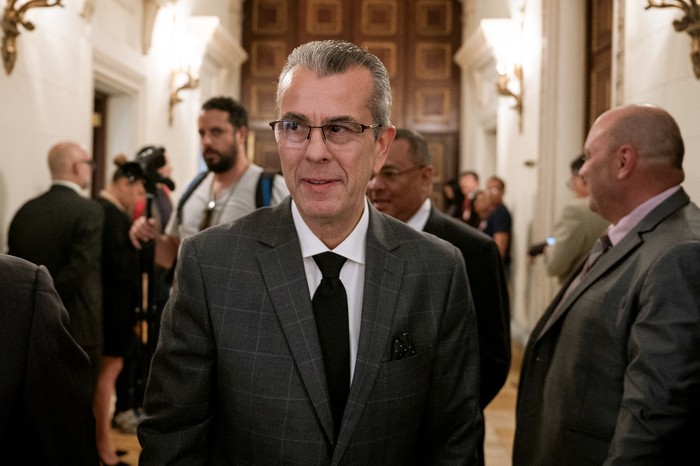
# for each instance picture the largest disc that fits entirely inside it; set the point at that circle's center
(511, 85)
(187, 40)
(505, 39)
(691, 22)
(10, 25)
(180, 80)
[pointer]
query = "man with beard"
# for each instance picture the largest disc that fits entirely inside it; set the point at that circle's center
(224, 193)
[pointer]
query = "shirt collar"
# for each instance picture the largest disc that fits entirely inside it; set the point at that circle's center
(352, 247)
(628, 222)
(68, 184)
(420, 218)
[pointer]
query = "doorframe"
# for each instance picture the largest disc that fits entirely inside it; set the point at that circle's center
(122, 89)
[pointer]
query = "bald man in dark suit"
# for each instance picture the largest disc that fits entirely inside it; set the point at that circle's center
(62, 230)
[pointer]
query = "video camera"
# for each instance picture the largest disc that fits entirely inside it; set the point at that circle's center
(151, 158)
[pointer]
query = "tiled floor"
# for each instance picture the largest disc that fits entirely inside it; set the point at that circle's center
(130, 444)
(500, 424)
(500, 417)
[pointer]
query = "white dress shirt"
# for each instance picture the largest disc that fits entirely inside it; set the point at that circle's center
(352, 274)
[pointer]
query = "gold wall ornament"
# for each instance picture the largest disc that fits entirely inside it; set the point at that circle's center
(180, 80)
(511, 85)
(150, 12)
(505, 37)
(11, 20)
(690, 22)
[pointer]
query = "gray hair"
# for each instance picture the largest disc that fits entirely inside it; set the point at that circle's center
(329, 57)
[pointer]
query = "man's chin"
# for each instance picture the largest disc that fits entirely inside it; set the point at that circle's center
(220, 161)
(218, 167)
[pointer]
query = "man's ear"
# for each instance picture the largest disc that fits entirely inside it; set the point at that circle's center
(426, 177)
(75, 169)
(626, 161)
(242, 135)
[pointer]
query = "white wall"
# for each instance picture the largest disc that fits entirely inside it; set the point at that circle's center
(560, 80)
(657, 69)
(651, 64)
(90, 44)
(46, 99)
(49, 97)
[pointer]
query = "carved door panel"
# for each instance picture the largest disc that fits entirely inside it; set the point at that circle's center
(599, 56)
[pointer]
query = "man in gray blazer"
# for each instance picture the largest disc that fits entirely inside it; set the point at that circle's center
(239, 375)
(611, 374)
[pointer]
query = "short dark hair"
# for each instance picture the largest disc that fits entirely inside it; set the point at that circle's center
(237, 114)
(130, 170)
(417, 144)
(499, 181)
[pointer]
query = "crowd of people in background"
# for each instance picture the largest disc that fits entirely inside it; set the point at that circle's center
(236, 366)
(483, 209)
(575, 231)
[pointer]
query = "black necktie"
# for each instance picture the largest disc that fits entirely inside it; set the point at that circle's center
(330, 304)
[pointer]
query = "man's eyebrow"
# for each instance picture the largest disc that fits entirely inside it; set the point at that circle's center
(340, 118)
(303, 119)
(294, 116)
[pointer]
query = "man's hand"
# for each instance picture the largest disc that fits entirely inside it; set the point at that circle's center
(142, 230)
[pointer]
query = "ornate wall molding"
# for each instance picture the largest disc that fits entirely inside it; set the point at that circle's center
(150, 12)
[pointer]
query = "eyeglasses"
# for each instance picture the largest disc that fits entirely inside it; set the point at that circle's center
(392, 174)
(294, 134)
(207, 215)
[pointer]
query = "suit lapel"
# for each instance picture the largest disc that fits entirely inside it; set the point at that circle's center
(282, 269)
(383, 277)
(619, 252)
(434, 225)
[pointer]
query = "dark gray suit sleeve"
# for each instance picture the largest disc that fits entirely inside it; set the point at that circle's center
(490, 291)
(84, 248)
(180, 386)
(454, 425)
(55, 424)
(658, 418)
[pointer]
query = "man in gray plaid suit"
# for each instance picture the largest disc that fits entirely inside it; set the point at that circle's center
(239, 376)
